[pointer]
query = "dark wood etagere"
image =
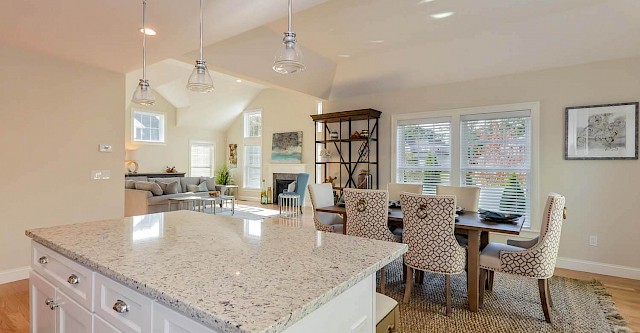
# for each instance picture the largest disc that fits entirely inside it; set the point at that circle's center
(353, 154)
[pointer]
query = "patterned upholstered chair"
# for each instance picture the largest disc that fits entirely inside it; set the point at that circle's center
(536, 262)
(322, 196)
(396, 188)
(368, 217)
(429, 222)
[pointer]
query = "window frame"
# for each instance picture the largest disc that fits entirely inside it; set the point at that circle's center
(455, 116)
(213, 155)
(162, 129)
(245, 120)
(246, 166)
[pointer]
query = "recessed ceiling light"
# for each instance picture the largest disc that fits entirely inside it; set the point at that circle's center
(239, 81)
(422, 2)
(149, 31)
(442, 15)
(344, 55)
(376, 41)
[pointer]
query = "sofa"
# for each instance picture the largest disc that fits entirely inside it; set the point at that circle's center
(140, 202)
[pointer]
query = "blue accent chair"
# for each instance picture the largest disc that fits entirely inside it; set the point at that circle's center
(301, 188)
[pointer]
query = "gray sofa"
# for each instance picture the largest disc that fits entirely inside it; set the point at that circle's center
(140, 202)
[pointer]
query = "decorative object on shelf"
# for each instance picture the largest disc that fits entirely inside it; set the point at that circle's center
(602, 132)
(269, 195)
(200, 79)
(364, 133)
(363, 152)
(131, 157)
(289, 59)
(143, 94)
(233, 156)
(223, 176)
(171, 169)
(286, 147)
(324, 155)
(263, 194)
(214, 194)
(334, 135)
(330, 180)
(355, 135)
(364, 179)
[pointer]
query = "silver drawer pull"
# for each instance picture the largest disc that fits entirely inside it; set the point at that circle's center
(50, 303)
(121, 307)
(73, 279)
(43, 260)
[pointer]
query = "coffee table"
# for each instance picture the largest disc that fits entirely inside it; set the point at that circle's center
(181, 201)
(221, 200)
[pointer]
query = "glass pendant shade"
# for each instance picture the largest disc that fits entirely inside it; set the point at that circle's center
(200, 79)
(143, 94)
(289, 58)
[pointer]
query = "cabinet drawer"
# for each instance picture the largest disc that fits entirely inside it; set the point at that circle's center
(135, 309)
(101, 326)
(73, 279)
(166, 320)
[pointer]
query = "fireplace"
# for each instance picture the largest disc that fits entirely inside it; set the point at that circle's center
(281, 182)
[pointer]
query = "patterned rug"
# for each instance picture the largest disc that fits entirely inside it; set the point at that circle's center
(512, 306)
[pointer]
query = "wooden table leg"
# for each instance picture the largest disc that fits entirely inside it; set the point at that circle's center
(344, 221)
(484, 239)
(473, 270)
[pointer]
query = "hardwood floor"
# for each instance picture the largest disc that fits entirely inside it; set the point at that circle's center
(14, 297)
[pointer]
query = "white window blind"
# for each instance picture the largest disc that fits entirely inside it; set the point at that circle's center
(424, 153)
(201, 160)
(252, 165)
(496, 156)
(148, 126)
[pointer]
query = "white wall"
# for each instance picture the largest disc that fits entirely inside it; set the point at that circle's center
(282, 111)
(602, 196)
(54, 115)
(153, 158)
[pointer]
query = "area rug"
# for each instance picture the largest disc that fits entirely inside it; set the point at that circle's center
(245, 212)
(512, 306)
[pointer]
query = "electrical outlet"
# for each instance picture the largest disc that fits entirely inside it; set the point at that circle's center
(593, 240)
(105, 148)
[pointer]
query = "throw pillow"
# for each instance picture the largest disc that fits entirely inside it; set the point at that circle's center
(198, 188)
(211, 182)
(149, 186)
(130, 184)
(292, 187)
(168, 188)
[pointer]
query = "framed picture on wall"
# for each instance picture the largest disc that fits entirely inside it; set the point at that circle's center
(602, 132)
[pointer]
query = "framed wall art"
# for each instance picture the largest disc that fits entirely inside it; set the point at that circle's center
(286, 147)
(602, 132)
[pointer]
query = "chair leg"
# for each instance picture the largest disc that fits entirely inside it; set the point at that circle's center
(544, 298)
(490, 281)
(383, 280)
(408, 285)
(447, 283)
(420, 277)
(404, 271)
(483, 278)
(549, 294)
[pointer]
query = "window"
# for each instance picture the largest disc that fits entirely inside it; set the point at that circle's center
(252, 166)
(491, 148)
(253, 124)
(148, 126)
(201, 156)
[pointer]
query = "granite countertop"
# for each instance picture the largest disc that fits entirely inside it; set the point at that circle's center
(232, 275)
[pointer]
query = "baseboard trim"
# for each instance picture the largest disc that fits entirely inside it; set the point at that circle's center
(15, 274)
(599, 268)
(247, 198)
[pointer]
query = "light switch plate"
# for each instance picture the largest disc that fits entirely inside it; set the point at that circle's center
(100, 174)
(105, 148)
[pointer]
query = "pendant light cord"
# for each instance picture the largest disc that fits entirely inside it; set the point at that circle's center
(201, 28)
(290, 30)
(144, 40)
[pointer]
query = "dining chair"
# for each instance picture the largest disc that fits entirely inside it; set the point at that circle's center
(322, 196)
(467, 197)
(368, 217)
(396, 188)
(429, 223)
(537, 262)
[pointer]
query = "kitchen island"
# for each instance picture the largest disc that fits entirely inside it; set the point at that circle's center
(192, 272)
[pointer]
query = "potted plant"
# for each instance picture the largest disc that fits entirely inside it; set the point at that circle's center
(223, 178)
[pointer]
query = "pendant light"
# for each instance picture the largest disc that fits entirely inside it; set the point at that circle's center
(289, 57)
(143, 94)
(200, 79)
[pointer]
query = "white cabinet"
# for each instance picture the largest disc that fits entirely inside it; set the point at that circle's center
(54, 312)
(125, 309)
(101, 326)
(166, 320)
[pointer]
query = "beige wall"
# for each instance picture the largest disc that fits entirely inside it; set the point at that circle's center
(602, 196)
(54, 115)
(175, 152)
(282, 111)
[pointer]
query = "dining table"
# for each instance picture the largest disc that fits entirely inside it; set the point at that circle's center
(468, 223)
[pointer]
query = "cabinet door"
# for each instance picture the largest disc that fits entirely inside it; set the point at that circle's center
(101, 326)
(43, 318)
(72, 318)
(166, 320)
